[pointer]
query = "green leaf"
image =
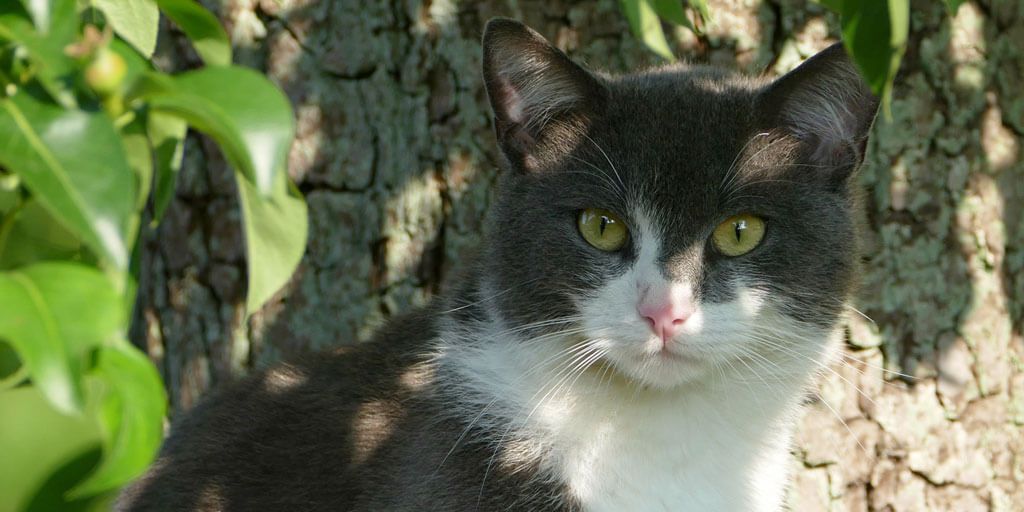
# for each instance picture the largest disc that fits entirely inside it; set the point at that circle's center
(11, 204)
(12, 372)
(40, 12)
(245, 114)
(202, 28)
(875, 34)
(167, 136)
(33, 235)
(45, 453)
(954, 6)
(275, 237)
(53, 314)
(702, 9)
(53, 69)
(646, 26)
(74, 164)
(131, 411)
(671, 11)
(136, 21)
(255, 131)
(139, 158)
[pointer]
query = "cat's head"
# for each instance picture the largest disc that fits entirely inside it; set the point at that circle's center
(677, 220)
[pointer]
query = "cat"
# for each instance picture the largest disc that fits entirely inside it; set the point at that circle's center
(664, 273)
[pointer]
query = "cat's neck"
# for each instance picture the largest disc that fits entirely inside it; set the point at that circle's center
(718, 444)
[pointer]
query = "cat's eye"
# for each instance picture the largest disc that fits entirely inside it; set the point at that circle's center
(739, 234)
(602, 229)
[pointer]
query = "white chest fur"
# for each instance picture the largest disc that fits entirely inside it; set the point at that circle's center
(696, 451)
(720, 447)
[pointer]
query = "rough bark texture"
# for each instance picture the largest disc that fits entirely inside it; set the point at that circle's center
(396, 157)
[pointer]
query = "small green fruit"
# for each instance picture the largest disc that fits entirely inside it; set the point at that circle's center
(106, 72)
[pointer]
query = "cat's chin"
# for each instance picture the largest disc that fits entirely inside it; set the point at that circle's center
(661, 370)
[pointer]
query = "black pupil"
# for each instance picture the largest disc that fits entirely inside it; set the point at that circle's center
(604, 223)
(739, 226)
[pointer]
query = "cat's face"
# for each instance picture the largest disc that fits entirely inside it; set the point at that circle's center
(675, 223)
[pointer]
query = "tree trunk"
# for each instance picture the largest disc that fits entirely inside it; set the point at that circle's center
(396, 157)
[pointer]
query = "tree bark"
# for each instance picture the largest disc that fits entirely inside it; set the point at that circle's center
(396, 157)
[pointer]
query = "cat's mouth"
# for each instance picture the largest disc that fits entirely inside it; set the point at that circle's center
(669, 356)
(667, 353)
(650, 360)
(668, 350)
(661, 369)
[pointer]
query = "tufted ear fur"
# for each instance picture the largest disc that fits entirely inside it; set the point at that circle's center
(826, 105)
(542, 101)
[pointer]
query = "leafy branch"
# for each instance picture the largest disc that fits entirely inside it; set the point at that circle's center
(91, 135)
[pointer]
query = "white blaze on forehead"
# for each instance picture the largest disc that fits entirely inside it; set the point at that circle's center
(647, 273)
(646, 269)
(613, 312)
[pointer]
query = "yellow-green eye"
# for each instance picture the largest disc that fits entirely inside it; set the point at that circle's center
(602, 229)
(739, 234)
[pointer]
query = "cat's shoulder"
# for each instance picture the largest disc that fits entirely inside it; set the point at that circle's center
(392, 363)
(292, 434)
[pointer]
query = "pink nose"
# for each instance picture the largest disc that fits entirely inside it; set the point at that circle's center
(664, 319)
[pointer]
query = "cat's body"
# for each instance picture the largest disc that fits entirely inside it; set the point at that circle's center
(611, 349)
(362, 429)
(353, 430)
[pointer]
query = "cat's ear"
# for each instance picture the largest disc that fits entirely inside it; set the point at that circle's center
(542, 101)
(827, 106)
